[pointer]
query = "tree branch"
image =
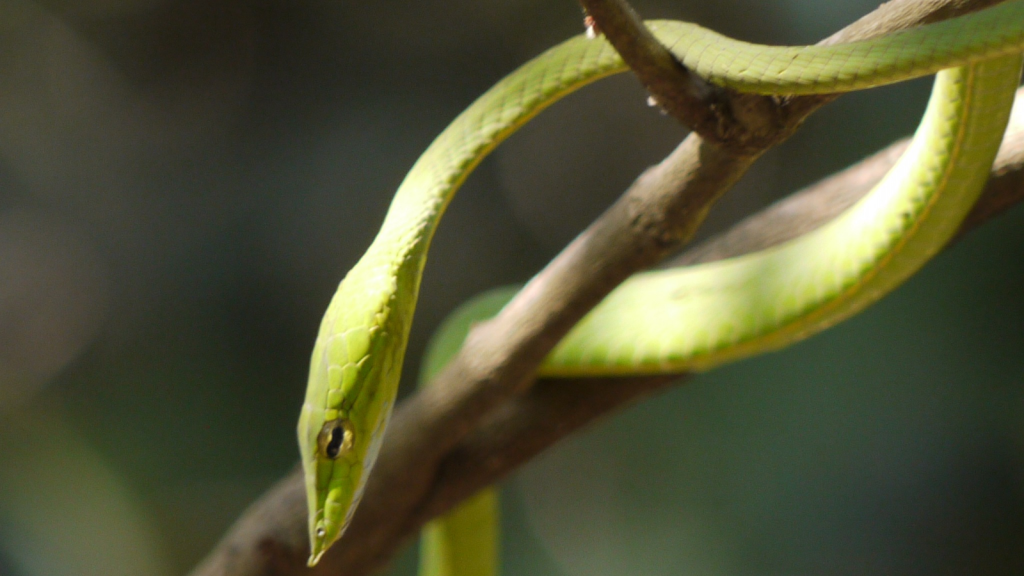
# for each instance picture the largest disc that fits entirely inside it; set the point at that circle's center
(554, 408)
(482, 418)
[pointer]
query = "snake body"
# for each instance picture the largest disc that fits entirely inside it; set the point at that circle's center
(691, 318)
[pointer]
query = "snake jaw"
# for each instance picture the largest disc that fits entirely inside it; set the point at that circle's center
(331, 468)
(334, 476)
(317, 548)
(333, 497)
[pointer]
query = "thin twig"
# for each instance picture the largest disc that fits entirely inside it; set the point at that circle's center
(721, 116)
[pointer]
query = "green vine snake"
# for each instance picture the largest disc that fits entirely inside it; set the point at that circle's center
(668, 321)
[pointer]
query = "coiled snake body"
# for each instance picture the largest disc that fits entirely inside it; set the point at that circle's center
(687, 318)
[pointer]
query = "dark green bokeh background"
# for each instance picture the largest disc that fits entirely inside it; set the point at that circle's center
(183, 184)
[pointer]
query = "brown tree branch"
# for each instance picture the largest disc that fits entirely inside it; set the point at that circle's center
(466, 429)
(554, 408)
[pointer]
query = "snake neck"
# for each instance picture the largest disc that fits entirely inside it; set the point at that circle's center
(399, 252)
(387, 278)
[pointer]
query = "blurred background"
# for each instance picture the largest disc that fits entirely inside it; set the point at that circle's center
(183, 183)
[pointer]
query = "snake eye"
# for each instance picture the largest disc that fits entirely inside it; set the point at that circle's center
(335, 438)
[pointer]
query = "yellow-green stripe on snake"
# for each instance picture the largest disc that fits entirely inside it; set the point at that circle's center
(690, 318)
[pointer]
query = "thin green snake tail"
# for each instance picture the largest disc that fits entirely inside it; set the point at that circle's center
(716, 312)
(463, 542)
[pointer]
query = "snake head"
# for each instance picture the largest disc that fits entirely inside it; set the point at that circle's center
(348, 403)
(332, 470)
